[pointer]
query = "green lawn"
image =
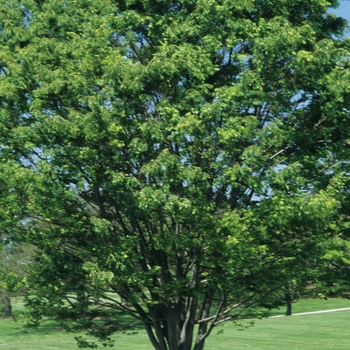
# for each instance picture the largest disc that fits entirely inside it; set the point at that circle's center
(305, 305)
(310, 332)
(14, 337)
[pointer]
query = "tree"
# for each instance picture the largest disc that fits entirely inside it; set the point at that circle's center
(14, 256)
(13, 271)
(181, 156)
(7, 281)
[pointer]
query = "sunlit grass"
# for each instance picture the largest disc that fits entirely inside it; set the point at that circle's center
(309, 332)
(321, 332)
(309, 305)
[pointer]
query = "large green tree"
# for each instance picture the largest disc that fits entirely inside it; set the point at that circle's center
(183, 156)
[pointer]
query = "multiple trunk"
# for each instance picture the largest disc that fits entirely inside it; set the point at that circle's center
(167, 331)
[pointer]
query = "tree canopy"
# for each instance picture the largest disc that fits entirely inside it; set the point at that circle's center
(188, 157)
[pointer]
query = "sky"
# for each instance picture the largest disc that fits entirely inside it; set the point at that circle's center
(343, 11)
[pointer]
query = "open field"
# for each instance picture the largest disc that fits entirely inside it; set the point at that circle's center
(309, 332)
(309, 305)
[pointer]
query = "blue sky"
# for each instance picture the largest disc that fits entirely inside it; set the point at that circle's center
(343, 10)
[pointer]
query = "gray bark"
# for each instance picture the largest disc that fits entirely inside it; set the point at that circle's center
(289, 309)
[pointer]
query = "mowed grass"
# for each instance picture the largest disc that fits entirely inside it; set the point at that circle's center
(14, 337)
(309, 332)
(309, 305)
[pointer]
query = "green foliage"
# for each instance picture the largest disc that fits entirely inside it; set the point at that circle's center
(187, 157)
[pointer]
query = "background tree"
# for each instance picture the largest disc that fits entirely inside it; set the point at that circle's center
(14, 260)
(180, 155)
(14, 256)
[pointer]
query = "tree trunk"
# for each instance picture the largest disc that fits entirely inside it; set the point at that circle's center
(6, 305)
(290, 299)
(166, 332)
(289, 308)
(82, 300)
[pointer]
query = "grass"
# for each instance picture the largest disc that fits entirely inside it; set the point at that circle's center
(14, 337)
(308, 304)
(309, 332)
(320, 331)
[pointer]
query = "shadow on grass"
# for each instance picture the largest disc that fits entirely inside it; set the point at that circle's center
(121, 322)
